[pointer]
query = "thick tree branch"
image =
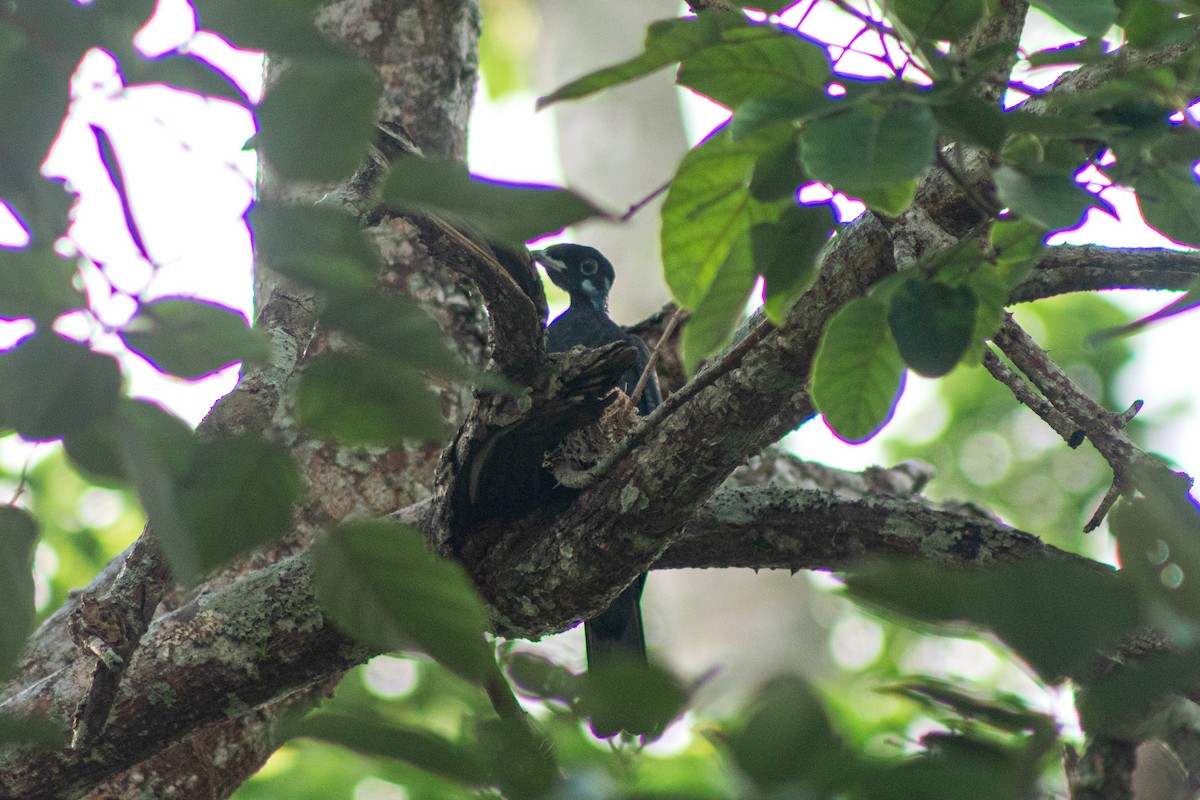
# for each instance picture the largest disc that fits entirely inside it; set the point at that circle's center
(1087, 268)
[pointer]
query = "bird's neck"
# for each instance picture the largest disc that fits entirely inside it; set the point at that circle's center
(589, 302)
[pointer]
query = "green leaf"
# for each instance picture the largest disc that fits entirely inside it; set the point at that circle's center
(946, 20)
(932, 324)
(50, 385)
(1170, 202)
(509, 213)
(18, 535)
(667, 41)
(1003, 712)
(276, 26)
(380, 584)
(629, 696)
(891, 200)
(1149, 23)
(1093, 609)
(319, 247)
(1052, 199)
(191, 338)
(1089, 17)
(1117, 704)
(1018, 247)
(185, 73)
(371, 737)
(858, 374)
(787, 738)
(536, 676)
(708, 209)
(711, 325)
(318, 119)
(786, 65)
(396, 326)
(359, 399)
(96, 449)
(757, 113)
(785, 254)
(37, 283)
(968, 117)
(866, 149)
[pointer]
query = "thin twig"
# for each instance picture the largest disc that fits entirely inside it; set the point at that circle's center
(668, 329)
(640, 204)
(1072, 434)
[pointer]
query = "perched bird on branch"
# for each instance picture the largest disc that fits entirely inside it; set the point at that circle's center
(587, 276)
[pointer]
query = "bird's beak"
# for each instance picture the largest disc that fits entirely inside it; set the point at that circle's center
(553, 264)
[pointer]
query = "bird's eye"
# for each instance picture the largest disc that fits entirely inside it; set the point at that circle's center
(588, 267)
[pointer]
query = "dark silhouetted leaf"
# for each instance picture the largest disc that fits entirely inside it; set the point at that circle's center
(540, 677)
(277, 26)
(112, 165)
(632, 697)
(18, 535)
(396, 326)
(946, 20)
(858, 375)
(932, 324)
(96, 449)
(318, 119)
(509, 213)
(785, 254)
(380, 584)
(359, 398)
(319, 247)
(1170, 201)
(36, 283)
(184, 72)
(191, 338)
(50, 385)
(1089, 17)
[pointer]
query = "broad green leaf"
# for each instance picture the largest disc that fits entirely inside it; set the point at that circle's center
(509, 213)
(757, 113)
(276, 26)
(868, 149)
(1089, 17)
(713, 321)
(18, 535)
(1149, 23)
(1092, 609)
(319, 247)
(777, 173)
(386, 739)
(1052, 199)
(50, 385)
(318, 119)
(858, 374)
(96, 448)
(380, 584)
(536, 676)
(37, 283)
(787, 738)
(183, 72)
(396, 326)
(709, 208)
(359, 399)
(785, 254)
(667, 41)
(1018, 247)
(932, 324)
(1170, 201)
(191, 338)
(787, 65)
(968, 117)
(947, 20)
(890, 200)
(628, 696)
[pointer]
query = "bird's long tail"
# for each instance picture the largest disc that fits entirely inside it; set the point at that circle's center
(616, 632)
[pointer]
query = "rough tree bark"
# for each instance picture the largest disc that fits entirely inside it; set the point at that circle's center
(229, 659)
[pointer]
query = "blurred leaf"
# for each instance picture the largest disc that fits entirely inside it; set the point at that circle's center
(36, 283)
(18, 536)
(380, 584)
(112, 165)
(786, 65)
(1118, 702)
(712, 323)
(359, 398)
(964, 115)
(1052, 199)
(785, 254)
(946, 20)
(1185, 302)
(276, 26)
(30, 731)
(787, 738)
(96, 449)
(757, 113)
(1081, 52)
(1018, 247)
(1170, 201)
(521, 769)
(868, 150)
(858, 374)
(954, 767)
(932, 324)
(667, 41)
(186, 73)
(540, 677)
(1004, 712)
(1057, 614)
(777, 173)
(395, 325)
(628, 696)
(319, 247)
(1089, 17)
(50, 385)
(317, 119)
(509, 213)
(191, 338)
(416, 746)
(1149, 23)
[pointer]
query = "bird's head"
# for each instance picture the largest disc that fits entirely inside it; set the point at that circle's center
(580, 271)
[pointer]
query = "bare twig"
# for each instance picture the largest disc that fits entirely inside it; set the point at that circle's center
(1071, 434)
(640, 204)
(662, 342)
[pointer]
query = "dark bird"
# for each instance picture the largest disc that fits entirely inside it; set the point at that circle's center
(587, 276)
